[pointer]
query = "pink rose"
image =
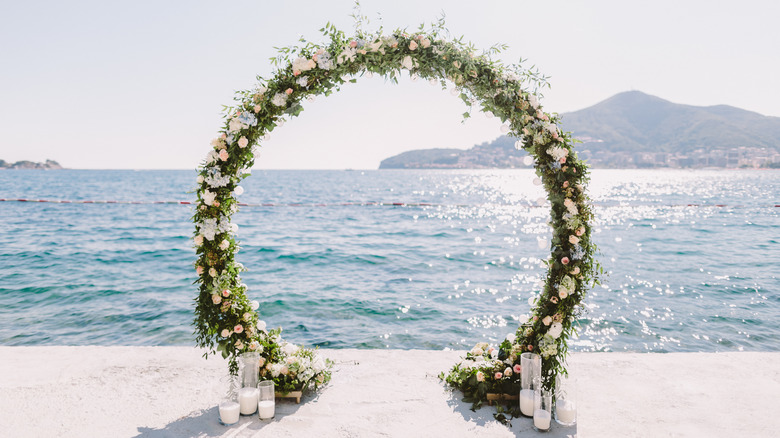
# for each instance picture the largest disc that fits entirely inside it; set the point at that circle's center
(565, 184)
(225, 293)
(565, 260)
(530, 348)
(562, 160)
(288, 91)
(412, 45)
(257, 108)
(216, 299)
(547, 320)
(498, 376)
(518, 369)
(243, 142)
(223, 155)
(238, 328)
(353, 44)
(480, 376)
(199, 270)
(554, 300)
(262, 362)
(563, 294)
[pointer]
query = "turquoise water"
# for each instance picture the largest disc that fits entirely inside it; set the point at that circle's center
(682, 277)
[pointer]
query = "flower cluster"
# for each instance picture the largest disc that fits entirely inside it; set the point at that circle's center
(226, 320)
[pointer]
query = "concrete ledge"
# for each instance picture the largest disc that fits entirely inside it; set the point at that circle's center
(173, 392)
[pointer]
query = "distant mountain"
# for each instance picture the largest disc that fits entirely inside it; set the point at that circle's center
(634, 129)
(48, 164)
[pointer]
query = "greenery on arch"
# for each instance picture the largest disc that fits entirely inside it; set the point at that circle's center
(227, 321)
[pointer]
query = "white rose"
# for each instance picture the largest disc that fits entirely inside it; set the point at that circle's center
(261, 325)
(511, 338)
(279, 99)
(224, 245)
(198, 240)
(243, 142)
(212, 272)
(225, 333)
(238, 190)
(199, 179)
(533, 101)
(208, 197)
(547, 320)
(573, 240)
(407, 63)
(555, 330)
(254, 306)
(290, 349)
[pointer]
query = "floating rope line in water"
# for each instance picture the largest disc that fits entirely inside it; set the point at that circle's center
(346, 204)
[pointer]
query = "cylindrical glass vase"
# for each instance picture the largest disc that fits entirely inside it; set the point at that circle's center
(530, 379)
(542, 410)
(266, 406)
(565, 401)
(248, 371)
(229, 408)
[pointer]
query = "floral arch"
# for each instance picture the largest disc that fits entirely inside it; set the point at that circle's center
(227, 321)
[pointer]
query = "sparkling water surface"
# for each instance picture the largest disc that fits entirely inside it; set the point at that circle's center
(691, 257)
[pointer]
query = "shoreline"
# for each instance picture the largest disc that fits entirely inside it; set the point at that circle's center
(172, 391)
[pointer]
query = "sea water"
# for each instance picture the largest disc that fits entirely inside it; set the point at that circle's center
(691, 257)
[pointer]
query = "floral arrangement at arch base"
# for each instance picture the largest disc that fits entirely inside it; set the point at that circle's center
(227, 321)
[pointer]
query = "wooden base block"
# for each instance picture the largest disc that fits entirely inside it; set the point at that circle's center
(491, 397)
(292, 394)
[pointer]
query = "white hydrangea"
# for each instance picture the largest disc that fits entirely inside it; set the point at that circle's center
(216, 179)
(290, 349)
(208, 228)
(302, 81)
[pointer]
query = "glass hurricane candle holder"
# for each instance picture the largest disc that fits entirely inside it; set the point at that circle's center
(229, 408)
(530, 377)
(542, 410)
(248, 370)
(565, 401)
(266, 405)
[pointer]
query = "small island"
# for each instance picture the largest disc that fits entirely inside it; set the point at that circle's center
(46, 165)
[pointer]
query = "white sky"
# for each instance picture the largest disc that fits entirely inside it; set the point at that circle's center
(97, 84)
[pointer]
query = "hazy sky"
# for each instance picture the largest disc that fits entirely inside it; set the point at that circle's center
(101, 84)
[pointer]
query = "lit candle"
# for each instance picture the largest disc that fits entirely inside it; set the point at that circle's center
(247, 397)
(229, 412)
(542, 419)
(565, 411)
(527, 402)
(266, 409)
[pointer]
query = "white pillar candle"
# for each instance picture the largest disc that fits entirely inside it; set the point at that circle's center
(542, 419)
(566, 411)
(247, 397)
(229, 412)
(266, 409)
(527, 402)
